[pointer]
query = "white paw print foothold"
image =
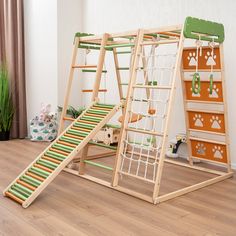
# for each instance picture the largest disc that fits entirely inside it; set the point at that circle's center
(210, 59)
(215, 92)
(198, 120)
(192, 59)
(217, 152)
(215, 122)
(201, 149)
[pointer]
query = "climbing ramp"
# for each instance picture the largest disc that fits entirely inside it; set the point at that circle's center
(35, 178)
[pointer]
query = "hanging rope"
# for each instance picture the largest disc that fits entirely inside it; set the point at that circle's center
(211, 45)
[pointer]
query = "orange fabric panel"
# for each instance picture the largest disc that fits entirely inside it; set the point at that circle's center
(204, 61)
(204, 95)
(206, 121)
(209, 151)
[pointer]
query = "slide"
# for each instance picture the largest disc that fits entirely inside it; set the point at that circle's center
(35, 178)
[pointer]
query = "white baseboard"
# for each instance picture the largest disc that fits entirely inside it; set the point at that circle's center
(233, 166)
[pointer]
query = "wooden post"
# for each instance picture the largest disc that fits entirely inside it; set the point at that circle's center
(100, 67)
(168, 116)
(127, 107)
(68, 87)
(221, 52)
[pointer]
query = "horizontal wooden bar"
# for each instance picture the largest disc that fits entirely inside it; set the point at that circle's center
(206, 140)
(91, 90)
(69, 118)
(205, 111)
(144, 131)
(84, 66)
(152, 87)
(15, 198)
(160, 42)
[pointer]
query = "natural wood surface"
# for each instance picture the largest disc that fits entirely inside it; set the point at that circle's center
(75, 206)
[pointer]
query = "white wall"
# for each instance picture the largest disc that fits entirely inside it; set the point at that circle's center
(40, 54)
(106, 16)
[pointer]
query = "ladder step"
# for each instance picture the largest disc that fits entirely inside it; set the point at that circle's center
(152, 87)
(29, 186)
(23, 188)
(68, 118)
(98, 165)
(20, 190)
(119, 45)
(66, 153)
(99, 112)
(144, 131)
(205, 102)
(110, 106)
(205, 111)
(123, 52)
(86, 126)
(91, 90)
(66, 144)
(206, 140)
(47, 163)
(78, 133)
(39, 172)
(15, 198)
(51, 159)
(89, 118)
(93, 71)
(53, 156)
(84, 66)
(103, 145)
(34, 176)
(56, 154)
(18, 195)
(123, 68)
(30, 180)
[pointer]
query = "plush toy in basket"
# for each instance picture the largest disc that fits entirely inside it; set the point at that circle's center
(44, 127)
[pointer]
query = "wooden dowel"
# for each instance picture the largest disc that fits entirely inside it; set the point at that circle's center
(81, 129)
(43, 168)
(51, 159)
(66, 144)
(35, 176)
(91, 90)
(84, 66)
(74, 136)
(14, 197)
(59, 151)
(68, 118)
(25, 185)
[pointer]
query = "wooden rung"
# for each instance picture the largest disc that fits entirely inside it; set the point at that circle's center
(26, 185)
(206, 140)
(81, 129)
(84, 66)
(66, 144)
(160, 42)
(35, 176)
(91, 90)
(206, 102)
(59, 151)
(74, 136)
(204, 111)
(137, 177)
(51, 159)
(152, 87)
(170, 34)
(68, 118)
(201, 70)
(144, 131)
(43, 168)
(207, 132)
(88, 122)
(10, 195)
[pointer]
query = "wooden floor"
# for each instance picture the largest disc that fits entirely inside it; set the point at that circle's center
(75, 206)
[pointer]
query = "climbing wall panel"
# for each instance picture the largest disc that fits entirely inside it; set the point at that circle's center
(209, 151)
(206, 121)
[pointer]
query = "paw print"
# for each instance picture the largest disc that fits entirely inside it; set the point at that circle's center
(201, 149)
(217, 152)
(210, 59)
(215, 122)
(198, 120)
(215, 92)
(195, 94)
(192, 59)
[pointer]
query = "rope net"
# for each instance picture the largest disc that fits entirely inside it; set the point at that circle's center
(144, 138)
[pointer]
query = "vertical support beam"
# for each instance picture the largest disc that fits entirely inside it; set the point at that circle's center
(167, 125)
(100, 67)
(83, 157)
(68, 87)
(189, 151)
(221, 51)
(133, 75)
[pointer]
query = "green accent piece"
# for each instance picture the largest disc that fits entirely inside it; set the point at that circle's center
(98, 112)
(211, 84)
(56, 154)
(78, 133)
(196, 79)
(88, 47)
(90, 118)
(124, 84)
(123, 68)
(93, 71)
(62, 147)
(69, 140)
(39, 172)
(19, 190)
(30, 180)
(28, 191)
(17, 194)
(113, 126)
(152, 83)
(194, 26)
(48, 164)
(104, 105)
(86, 126)
(119, 46)
(80, 34)
(123, 52)
(139, 143)
(98, 165)
(103, 145)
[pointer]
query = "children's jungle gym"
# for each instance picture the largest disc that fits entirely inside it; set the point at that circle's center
(157, 58)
